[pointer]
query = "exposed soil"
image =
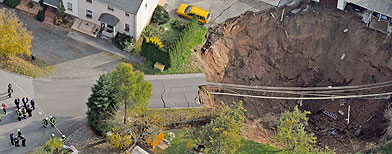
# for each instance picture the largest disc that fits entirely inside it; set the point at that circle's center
(253, 49)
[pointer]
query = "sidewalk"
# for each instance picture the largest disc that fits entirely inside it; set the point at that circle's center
(103, 45)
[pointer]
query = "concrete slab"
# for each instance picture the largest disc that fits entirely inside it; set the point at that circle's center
(177, 91)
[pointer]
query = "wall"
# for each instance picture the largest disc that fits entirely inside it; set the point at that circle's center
(98, 8)
(144, 14)
(75, 8)
(341, 4)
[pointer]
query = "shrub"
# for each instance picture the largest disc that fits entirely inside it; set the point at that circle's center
(40, 16)
(178, 24)
(121, 142)
(52, 144)
(152, 50)
(12, 3)
(160, 15)
(31, 4)
(124, 42)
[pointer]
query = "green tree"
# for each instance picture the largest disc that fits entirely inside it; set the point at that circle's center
(61, 10)
(52, 144)
(160, 15)
(101, 105)
(291, 132)
(15, 39)
(222, 134)
(131, 90)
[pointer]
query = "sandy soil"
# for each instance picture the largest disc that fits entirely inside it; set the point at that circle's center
(253, 49)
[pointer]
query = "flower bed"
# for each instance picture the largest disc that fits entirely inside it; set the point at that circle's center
(24, 6)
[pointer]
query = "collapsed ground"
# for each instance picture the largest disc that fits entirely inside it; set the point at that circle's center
(305, 50)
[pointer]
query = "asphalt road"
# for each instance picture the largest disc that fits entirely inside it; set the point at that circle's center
(65, 100)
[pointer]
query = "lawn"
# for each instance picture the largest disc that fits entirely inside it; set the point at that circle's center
(187, 135)
(23, 65)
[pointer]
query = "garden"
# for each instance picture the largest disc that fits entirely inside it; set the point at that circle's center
(167, 40)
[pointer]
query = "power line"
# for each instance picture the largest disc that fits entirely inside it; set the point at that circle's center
(299, 88)
(303, 98)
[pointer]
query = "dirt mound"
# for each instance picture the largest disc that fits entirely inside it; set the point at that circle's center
(307, 49)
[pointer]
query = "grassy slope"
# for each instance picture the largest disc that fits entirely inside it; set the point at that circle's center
(183, 136)
(24, 66)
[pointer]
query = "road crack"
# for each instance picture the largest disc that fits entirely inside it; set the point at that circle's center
(162, 94)
(223, 11)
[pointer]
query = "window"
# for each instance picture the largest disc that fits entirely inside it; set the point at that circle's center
(89, 14)
(69, 6)
(110, 8)
(126, 13)
(126, 28)
(90, 1)
(188, 9)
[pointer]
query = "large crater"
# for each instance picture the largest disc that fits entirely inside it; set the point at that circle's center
(305, 50)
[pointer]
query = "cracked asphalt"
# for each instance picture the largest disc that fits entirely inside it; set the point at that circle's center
(220, 9)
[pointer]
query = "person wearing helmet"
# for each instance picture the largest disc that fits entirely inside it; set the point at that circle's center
(19, 133)
(52, 136)
(19, 114)
(45, 122)
(4, 106)
(52, 121)
(17, 101)
(63, 138)
(23, 139)
(24, 113)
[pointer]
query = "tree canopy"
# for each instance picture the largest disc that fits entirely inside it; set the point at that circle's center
(222, 134)
(101, 105)
(131, 89)
(14, 37)
(291, 132)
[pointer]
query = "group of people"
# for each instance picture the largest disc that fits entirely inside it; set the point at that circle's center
(22, 111)
(51, 120)
(15, 140)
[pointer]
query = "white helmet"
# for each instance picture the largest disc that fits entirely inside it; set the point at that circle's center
(46, 118)
(63, 136)
(52, 135)
(50, 117)
(18, 130)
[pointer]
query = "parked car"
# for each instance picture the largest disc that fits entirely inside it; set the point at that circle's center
(189, 11)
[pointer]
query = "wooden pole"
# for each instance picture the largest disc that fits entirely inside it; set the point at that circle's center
(348, 115)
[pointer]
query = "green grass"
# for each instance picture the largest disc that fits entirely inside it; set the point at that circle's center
(183, 136)
(23, 65)
(251, 147)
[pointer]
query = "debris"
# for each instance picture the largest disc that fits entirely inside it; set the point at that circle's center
(287, 35)
(357, 132)
(342, 104)
(348, 115)
(345, 30)
(281, 17)
(295, 11)
(342, 57)
(272, 15)
(370, 118)
(382, 97)
(329, 114)
(341, 112)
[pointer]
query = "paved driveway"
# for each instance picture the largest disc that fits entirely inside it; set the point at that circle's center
(220, 9)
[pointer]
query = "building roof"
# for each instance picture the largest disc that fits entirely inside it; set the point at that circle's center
(131, 6)
(108, 19)
(55, 3)
(380, 6)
